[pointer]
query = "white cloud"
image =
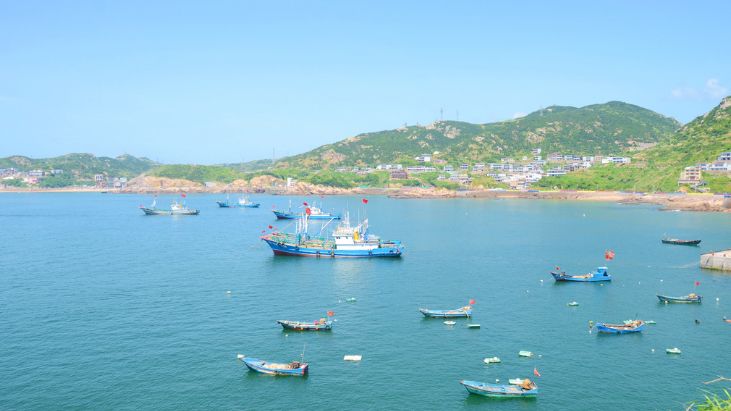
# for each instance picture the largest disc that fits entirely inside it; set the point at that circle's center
(518, 115)
(713, 89)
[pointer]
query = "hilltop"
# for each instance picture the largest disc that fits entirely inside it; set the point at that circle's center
(658, 168)
(608, 128)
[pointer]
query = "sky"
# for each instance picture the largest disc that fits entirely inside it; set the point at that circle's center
(230, 81)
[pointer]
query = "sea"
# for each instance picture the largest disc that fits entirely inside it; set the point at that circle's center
(102, 307)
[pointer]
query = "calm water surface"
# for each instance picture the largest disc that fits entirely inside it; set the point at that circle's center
(104, 308)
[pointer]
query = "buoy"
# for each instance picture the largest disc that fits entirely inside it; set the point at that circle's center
(497, 380)
(652, 350)
(450, 322)
(718, 299)
(353, 357)
(228, 292)
(240, 356)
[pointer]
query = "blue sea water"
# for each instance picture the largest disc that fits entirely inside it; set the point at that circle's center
(104, 308)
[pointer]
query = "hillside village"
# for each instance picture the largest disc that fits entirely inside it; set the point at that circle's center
(516, 174)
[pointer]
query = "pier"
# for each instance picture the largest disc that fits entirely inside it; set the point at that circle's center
(717, 260)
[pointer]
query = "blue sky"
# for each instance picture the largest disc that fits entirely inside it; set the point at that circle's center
(212, 82)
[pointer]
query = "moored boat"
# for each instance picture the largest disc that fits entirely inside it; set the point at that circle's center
(175, 209)
(491, 360)
(678, 241)
(527, 388)
(294, 368)
(600, 274)
(632, 326)
(243, 202)
(675, 350)
(319, 325)
(312, 212)
(465, 311)
(686, 299)
(345, 241)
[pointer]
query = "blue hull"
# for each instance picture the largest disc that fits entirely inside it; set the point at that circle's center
(293, 216)
(592, 279)
(223, 204)
(445, 313)
(497, 390)
(609, 329)
(293, 250)
(261, 366)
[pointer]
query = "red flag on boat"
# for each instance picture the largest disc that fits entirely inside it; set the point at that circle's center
(270, 227)
(558, 268)
(535, 372)
(330, 313)
(697, 283)
(365, 201)
(609, 255)
(305, 204)
(183, 195)
(472, 301)
(308, 211)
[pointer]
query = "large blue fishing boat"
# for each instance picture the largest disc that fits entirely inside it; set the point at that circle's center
(345, 241)
(633, 326)
(527, 388)
(600, 274)
(313, 213)
(319, 325)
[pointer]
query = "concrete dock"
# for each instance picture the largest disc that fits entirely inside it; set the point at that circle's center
(717, 260)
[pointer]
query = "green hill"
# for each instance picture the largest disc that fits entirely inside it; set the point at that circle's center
(608, 128)
(82, 166)
(658, 168)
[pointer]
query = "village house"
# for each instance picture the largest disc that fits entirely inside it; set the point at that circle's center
(424, 158)
(690, 175)
(399, 174)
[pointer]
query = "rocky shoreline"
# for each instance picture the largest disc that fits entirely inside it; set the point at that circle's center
(272, 185)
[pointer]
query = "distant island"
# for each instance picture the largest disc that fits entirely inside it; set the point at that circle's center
(603, 147)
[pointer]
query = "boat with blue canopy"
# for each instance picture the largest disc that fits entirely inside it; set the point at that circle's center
(462, 312)
(600, 274)
(686, 299)
(631, 326)
(319, 325)
(344, 241)
(294, 368)
(313, 213)
(526, 388)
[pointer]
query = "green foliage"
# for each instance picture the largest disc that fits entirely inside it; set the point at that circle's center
(57, 181)
(718, 183)
(199, 174)
(13, 182)
(449, 185)
(486, 182)
(598, 129)
(333, 179)
(714, 402)
(407, 183)
(83, 166)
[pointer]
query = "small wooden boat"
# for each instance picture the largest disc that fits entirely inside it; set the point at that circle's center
(634, 326)
(675, 350)
(680, 242)
(527, 389)
(473, 326)
(492, 360)
(353, 357)
(319, 325)
(600, 274)
(573, 304)
(294, 368)
(690, 298)
(465, 311)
